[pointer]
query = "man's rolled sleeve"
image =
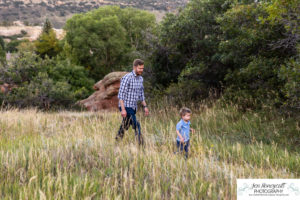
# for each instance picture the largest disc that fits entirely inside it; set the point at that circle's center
(123, 88)
(142, 94)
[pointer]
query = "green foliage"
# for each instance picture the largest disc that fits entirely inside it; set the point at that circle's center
(188, 88)
(255, 85)
(43, 83)
(74, 75)
(2, 51)
(2, 43)
(284, 11)
(190, 38)
(254, 63)
(47, 27)
(2, 55)
(12, 45)
(41, 92)
(47, 43)
(290, 74)
(107, 39)
(244, 49)
(140, 28)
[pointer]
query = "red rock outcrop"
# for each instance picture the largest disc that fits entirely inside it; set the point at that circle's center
(106, 95)
(4, 88)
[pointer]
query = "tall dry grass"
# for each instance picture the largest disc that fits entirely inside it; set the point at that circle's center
(73, 155)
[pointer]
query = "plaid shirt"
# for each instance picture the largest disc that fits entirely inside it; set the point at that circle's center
(131, 90)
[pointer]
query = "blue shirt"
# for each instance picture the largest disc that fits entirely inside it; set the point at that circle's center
(131, 90)
(184, 130)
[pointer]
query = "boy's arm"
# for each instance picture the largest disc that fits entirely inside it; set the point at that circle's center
(180, 136)
(192, 130)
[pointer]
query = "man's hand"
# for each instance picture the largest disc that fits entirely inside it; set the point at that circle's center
(124, 113)
(146, 111)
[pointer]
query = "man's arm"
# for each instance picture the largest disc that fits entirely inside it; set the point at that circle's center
(144, 102)
(121, 95)
(145, 108)
(123, 110)
(123, 88)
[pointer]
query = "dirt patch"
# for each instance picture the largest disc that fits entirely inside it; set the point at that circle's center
(32, 32)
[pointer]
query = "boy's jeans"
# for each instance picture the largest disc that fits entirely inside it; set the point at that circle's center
(130, 119)
(185, 146)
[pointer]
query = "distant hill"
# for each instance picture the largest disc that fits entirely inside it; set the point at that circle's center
(19, 31)
(35, 12)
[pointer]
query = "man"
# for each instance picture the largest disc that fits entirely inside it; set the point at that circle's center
(131, 91)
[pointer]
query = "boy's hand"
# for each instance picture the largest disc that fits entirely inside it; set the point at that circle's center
(181, 140)
(193, 130)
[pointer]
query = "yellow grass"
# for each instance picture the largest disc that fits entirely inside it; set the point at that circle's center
(73, 155)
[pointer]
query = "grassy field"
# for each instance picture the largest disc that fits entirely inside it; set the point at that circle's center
(73, 155)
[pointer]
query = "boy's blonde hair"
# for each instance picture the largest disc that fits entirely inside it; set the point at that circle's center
(184, 110)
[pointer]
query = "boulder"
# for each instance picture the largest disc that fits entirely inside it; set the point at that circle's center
(4, 88)
(106, 95)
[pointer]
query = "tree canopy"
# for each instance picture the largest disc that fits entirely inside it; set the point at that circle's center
(47, 43)
(108, 38)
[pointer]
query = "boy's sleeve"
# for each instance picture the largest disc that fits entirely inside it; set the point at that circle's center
(178, 126)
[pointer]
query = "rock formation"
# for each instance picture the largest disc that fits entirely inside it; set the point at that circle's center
(106, 95)
(4, 88)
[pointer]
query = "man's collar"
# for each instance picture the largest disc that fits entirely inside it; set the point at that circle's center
(133, 72)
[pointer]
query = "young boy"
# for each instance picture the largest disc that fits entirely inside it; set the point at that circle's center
(183, 131)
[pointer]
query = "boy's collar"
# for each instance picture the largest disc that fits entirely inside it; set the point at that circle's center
(188, 122)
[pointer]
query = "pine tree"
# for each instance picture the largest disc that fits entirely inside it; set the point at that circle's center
(47, 43)
(47, 26)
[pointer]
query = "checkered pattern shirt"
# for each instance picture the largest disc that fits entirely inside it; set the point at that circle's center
(131, 90)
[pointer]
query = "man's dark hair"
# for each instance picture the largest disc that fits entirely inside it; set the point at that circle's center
(183, 111)
(138, 62)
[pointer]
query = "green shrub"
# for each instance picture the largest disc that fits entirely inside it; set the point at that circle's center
(109, 38)
(2, 51)
(290, 74)
(43, 83)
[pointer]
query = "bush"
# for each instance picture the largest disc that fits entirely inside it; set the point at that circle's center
(76, 76)
(108, 38)
(47, 43)
(246, 50)
(12, 45)
(290, 74)
(255, 85)
(2, 50)
(43, 83)
(41, 92)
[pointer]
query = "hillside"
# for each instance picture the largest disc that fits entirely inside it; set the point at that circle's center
(30, 32)
(35, 11)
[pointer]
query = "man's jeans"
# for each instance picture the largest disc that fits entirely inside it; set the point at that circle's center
(130, 119)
